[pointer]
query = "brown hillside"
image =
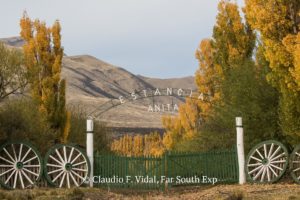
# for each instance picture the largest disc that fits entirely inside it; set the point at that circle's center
(92, 82)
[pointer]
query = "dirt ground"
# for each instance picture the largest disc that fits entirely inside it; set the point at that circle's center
(219, 192)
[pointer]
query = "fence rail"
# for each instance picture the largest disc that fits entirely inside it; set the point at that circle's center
(171, 169)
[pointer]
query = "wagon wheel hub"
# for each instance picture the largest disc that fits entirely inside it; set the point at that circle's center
(265, 161)
(68, 166)
(19, 165)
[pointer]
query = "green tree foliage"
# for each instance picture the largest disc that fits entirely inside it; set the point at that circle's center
(43, 57)
(13, 75)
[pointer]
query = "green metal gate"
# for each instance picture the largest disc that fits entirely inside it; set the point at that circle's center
(129, 172)
(203, 168)
(171, 169)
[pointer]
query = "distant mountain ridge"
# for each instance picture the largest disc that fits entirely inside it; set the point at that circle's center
(89, 76)
(92, 82)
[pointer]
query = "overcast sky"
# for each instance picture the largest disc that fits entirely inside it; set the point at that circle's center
(155, 38)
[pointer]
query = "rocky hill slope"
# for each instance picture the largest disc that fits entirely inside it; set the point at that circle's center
(92, 82)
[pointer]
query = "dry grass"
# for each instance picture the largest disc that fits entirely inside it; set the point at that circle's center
(219, 192)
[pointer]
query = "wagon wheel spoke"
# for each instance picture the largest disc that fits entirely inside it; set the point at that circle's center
(271, 150)
(77, 175)
(259, 154)
(21, 179)
(6, 165)
(11, 169)
(74, 180)
(11, 158)
(68, 179)
(278, 161)
(71, 154)
(31, 166)
(20, 165)
(259, 160)
(267, 162)
(65, 164)
(10, 176)
(54, 171)
(80, 170)
(6, 160)
(59, 156)
(259, 173)
(62, 179)
(27, 161)
(20, 152)
(268, 174)
(28, 179)
(81, 163)
(263, 174)
(279, 156)
(14, 151)
(278, 148)
(15, 179)
(55, 160)
(58, 176)
(75, 158)
(273, 171)
(30, 172)
(53, 165)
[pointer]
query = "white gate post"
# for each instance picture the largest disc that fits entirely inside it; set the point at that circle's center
(240, 149)
(90, 147)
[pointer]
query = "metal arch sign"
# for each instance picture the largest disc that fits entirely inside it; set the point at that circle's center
(179, 93)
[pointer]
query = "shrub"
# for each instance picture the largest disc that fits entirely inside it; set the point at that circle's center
(20, 119)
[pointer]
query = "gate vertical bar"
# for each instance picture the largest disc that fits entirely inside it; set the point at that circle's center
(90, 147)
(240, 149)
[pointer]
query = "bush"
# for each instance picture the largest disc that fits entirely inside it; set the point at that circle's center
(21, 120)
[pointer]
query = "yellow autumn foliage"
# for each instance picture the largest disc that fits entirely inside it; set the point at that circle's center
(139, 145)
(278, 25)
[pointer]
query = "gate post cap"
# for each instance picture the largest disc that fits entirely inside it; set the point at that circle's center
(238, 121)
(89, 124)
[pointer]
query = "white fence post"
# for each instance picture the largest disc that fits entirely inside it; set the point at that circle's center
(240, 149)
(90, 147)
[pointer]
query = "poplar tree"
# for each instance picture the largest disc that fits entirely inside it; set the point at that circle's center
(278, 25)
(43, 58)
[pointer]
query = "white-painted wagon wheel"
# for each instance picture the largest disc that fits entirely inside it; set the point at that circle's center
(267, 162)
(295, 164)
(66, 166)
(20, 165)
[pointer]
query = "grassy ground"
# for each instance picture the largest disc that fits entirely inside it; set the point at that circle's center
(219, 192)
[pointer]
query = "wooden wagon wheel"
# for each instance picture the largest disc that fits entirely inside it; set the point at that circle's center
(20, 165)
(66, 166)
(295, 164)
(267, 162)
